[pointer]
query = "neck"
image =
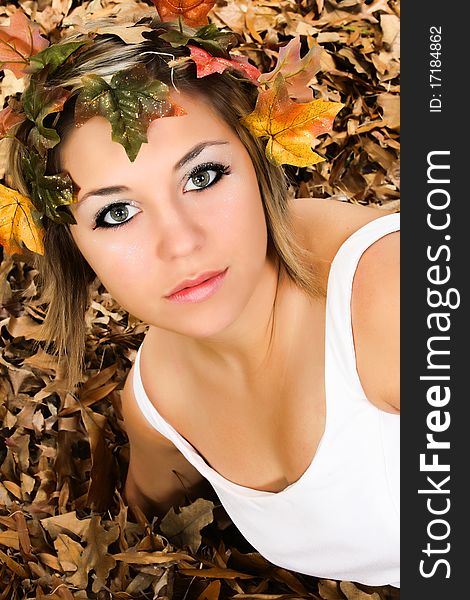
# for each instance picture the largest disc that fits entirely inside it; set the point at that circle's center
(260, 340)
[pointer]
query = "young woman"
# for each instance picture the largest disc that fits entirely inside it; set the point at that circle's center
(270, 367)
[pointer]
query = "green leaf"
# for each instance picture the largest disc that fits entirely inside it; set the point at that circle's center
(49, 193)
(38, 103)
(209, 37)
(129, 102)
(54, 56)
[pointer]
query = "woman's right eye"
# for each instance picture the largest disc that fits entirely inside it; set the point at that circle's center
(114, 215)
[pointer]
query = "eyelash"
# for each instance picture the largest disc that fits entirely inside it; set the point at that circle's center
(219, 168)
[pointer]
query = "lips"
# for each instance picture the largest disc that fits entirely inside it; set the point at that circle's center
(189, 283)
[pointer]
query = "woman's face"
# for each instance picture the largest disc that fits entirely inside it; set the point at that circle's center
(187, 208)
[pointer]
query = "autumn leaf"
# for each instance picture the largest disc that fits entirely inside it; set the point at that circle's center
(193, 12)
(38, 103)
(53, 57)
(49, 193)
(19, 222)
(290, 127)
(297, 72)
(129, 102)
(19, 41)
(8, 119)
(184, 528)
(209, 37)
(96, 556)
(206, 64)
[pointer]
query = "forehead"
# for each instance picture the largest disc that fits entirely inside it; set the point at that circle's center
(89, 153)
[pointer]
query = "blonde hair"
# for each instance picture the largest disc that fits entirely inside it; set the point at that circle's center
(65, 276)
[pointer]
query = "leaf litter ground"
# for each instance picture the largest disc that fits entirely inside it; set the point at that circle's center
(65, 532)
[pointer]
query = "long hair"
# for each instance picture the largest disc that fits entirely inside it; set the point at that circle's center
(65, 276)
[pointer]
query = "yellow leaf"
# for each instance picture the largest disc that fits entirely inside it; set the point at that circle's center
(291, 127)
(19, 222)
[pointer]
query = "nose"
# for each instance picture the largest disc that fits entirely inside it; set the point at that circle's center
(179, 233)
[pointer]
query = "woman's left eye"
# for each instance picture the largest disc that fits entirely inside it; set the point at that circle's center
(206, 175)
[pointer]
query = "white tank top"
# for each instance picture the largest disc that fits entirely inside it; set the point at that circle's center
(340, 520)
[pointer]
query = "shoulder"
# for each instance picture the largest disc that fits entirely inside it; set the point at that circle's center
(322, 226)
(375, 313)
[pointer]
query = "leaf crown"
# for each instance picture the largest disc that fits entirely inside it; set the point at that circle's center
(285, 116)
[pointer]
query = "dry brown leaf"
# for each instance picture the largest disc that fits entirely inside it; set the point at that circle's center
(216, 572)
(354, 593)
(66, 523)
(184, 528)
(390, 104)
(96, 556)
(211, 592)
(68, 552)
(150, 558)
(10, 539)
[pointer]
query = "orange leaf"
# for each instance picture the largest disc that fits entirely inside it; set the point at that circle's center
(206, 64)
(19, 222)
(193, 12)
(298, 72)
(290, 127)
(18, 42)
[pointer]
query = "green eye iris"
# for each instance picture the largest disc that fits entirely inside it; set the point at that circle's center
(119, 213)
(201, 179)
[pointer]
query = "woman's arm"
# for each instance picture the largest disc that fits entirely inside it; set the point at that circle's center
(158, 476)
(376, 322)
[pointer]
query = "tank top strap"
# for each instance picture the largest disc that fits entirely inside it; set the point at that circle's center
(340, 358)
(155, 419)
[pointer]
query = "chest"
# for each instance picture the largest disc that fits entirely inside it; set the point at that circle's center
(262, 438)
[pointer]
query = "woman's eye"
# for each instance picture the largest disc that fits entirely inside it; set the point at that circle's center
(204, 176)
(115, 215)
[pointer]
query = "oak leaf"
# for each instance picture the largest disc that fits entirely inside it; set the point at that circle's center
(19, 222)
(19, 41)
(297, 72)
(290, 127)
(184, 528)
(193, 12)
(206, 64)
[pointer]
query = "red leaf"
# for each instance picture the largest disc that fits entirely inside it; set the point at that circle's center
(206, 64)
(18, 42)
(8, 119)
(193, 12)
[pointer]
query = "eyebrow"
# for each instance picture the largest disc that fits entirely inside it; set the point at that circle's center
(116, 189)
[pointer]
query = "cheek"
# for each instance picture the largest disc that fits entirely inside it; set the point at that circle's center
(115, 263)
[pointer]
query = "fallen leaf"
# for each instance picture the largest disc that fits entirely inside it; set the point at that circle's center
(18, 42)
(67, 522)
(184, 528)
(354, 593)
(211, 592)
(150, 558)
(390, 104)
(96, 556)
(19, 223)
(215, 572)
(193, 12)
(68, 552)
(291, 127)
(10, 539)
(206, 64)
(297, 72)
